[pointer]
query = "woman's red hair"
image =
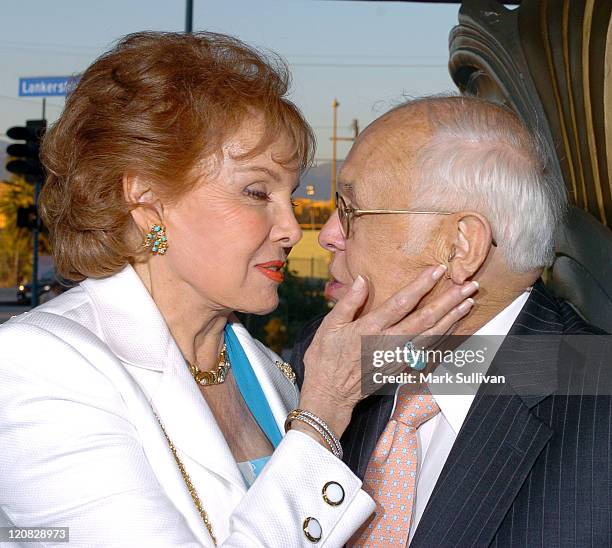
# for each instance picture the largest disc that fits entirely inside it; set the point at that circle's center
(156, 105)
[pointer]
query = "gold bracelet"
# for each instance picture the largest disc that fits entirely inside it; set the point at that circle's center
(318, 424)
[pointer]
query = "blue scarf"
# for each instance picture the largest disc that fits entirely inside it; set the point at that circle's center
(250, 388)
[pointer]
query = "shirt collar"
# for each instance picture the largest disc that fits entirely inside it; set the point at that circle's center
(455, 407)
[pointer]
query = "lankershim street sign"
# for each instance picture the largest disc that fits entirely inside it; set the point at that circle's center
(47, 86)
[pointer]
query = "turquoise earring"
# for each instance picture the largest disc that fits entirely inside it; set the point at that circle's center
(157, 240)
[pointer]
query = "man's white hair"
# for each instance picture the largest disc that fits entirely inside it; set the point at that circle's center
(482, 158)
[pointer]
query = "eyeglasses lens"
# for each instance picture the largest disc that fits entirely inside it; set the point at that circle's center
(342, 214)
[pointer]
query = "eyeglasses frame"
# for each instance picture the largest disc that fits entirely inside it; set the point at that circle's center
(353, 212)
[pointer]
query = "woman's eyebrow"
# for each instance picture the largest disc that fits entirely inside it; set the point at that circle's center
(261, 169)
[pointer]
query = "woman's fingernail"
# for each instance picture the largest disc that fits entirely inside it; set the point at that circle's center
(470, 288)
(358, 284)
(465, 305)
(439, 272)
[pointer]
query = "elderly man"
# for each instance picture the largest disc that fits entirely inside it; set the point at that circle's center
(524, 467)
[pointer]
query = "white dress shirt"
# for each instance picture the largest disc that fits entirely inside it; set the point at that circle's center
(437, 436)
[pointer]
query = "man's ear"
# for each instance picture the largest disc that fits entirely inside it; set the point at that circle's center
(146, 208)
(470, 247)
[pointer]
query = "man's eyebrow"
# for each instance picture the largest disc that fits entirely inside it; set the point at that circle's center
(347, 188)
(261, 169)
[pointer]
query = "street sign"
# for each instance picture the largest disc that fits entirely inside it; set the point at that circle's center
(47, 86)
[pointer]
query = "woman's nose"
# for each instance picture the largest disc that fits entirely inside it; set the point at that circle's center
(287, 231)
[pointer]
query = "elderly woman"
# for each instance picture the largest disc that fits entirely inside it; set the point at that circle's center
(135, 409)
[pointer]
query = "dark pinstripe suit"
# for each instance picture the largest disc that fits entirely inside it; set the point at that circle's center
(530, 466)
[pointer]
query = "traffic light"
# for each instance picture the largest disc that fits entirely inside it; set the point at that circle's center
(27, 155)
(27, 217)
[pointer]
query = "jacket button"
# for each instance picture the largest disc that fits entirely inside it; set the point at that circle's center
(312, 530)
(333, 493)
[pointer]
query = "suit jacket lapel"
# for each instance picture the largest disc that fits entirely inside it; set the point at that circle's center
(488, 464)
(191, 425)
(500, 439)
(282, 394)
(138, 406)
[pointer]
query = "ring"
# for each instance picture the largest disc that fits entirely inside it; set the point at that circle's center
(415, 359)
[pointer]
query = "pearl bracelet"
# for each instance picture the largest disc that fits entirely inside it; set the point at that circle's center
(319, 425)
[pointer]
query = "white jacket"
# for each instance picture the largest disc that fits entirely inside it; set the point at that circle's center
(81, 447)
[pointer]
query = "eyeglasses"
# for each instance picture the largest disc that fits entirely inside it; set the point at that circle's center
(346, 213)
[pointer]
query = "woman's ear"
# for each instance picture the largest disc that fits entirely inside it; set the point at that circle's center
(146, 208)
(470, 247)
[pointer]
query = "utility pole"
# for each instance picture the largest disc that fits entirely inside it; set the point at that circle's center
(189, 16)
(334, 140)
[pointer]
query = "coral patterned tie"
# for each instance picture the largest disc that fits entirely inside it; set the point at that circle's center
(390, 478)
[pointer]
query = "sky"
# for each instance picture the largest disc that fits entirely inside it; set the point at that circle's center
(368, 55)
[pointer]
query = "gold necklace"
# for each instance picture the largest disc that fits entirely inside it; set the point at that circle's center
(189, 484)
(216, 376)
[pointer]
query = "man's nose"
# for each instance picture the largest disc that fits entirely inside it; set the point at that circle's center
(331, 237)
